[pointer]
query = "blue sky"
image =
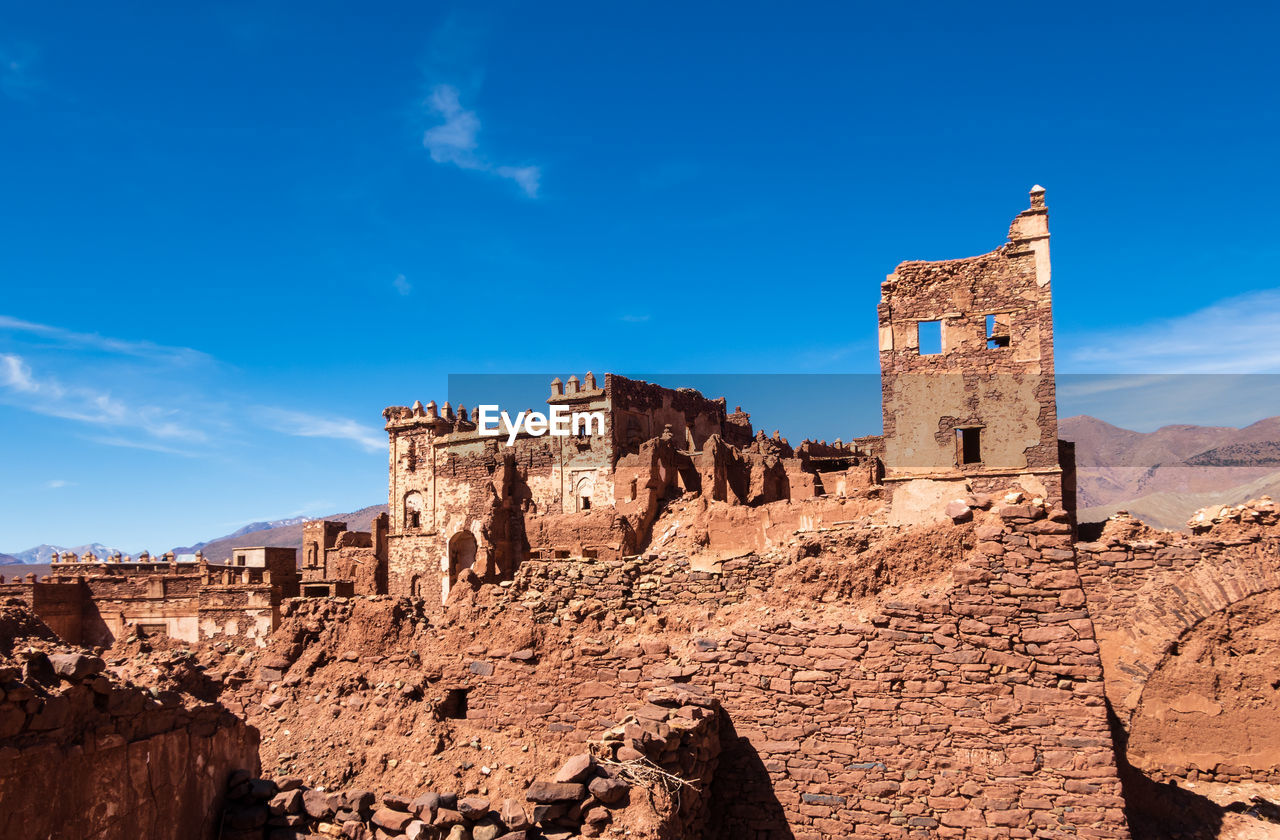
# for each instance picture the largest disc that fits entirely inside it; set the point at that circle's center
(232, 235)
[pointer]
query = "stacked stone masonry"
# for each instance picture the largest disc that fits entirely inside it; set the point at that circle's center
(84, 755)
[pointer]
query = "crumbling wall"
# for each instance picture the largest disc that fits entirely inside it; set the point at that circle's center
(1208, 710)
(969, 702)
(84, 755)
(1146, 588)
(1149, 592)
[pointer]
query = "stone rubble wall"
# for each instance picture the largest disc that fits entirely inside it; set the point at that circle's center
(82, 755)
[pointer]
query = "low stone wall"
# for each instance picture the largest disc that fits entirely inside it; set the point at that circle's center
(84, 756)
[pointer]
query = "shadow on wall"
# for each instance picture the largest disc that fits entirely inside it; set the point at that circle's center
(743, 803)
(1160, 810)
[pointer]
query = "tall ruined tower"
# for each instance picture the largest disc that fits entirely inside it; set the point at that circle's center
(413, 562)
(967, 378)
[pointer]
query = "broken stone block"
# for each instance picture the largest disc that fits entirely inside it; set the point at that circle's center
(425, 806)
(76, 666)
(393, 821)
(419, 830)
(446, 818)
(579, 768)
(513, 815)
(609, 791)
(393, 801)
(488, 829)
(361, 801)
(286, 802)
(553, 792)
(316, 804)
(473, 807)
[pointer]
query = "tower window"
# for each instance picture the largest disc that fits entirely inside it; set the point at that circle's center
(997, 331)
(969, 445)
(929, 337)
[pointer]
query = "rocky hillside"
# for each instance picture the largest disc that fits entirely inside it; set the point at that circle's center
(1163, 476)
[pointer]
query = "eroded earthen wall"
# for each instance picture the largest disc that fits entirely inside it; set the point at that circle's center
(1150, 591)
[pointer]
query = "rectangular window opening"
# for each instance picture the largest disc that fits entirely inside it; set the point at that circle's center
(997, 331)
(969, 445)
(929, 337)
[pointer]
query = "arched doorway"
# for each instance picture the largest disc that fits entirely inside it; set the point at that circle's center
(462, 554)
(584, 491)
(1213, 698)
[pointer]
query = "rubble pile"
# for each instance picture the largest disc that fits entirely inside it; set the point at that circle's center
(648, 777)
(1261, 511)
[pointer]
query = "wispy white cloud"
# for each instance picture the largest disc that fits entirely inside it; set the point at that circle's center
(634, 319)
(402, 285)
(123, 347)
(1234, 335)
(144, 445)
(59, 483)
(455, 142)
(46, 395)
(301, 424)
(528, 177)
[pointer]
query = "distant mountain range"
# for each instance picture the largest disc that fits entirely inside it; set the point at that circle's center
(251, 528)
(46, 553)
(282, 532)
(1163, 477)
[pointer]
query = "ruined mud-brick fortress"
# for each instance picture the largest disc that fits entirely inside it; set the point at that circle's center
(900, 636)
(976, 412)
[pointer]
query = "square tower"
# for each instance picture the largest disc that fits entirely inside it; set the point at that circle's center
(967, 375)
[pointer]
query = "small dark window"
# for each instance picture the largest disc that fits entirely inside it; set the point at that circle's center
(586, 503)
(415, 519)
(969, 444)
(454, 705)
(997, 331)
(929, 337)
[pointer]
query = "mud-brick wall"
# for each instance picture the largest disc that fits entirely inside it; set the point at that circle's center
(630, 587)
(973, 710)
(92, 758)
(976, 714)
